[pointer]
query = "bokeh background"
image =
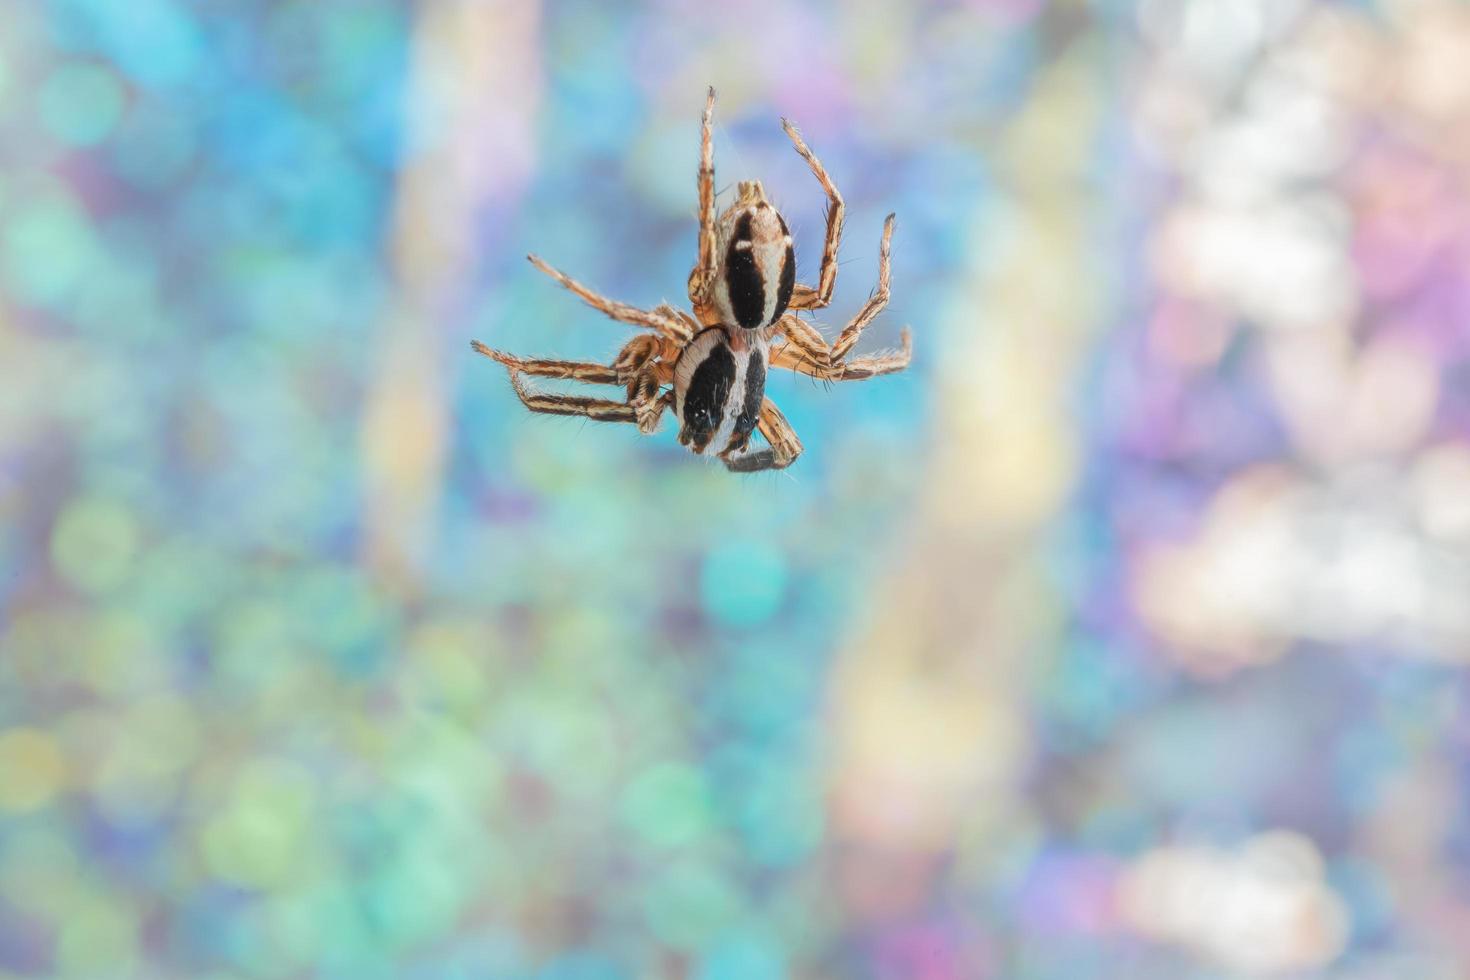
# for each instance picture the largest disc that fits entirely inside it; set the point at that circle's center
(1122, 636)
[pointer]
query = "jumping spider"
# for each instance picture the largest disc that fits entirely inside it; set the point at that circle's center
(742, 290)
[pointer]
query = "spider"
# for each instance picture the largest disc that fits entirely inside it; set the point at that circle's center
(711, 367)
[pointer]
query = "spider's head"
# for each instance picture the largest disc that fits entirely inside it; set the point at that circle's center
(757, 265)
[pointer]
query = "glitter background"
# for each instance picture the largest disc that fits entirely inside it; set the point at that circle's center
(1122, 636)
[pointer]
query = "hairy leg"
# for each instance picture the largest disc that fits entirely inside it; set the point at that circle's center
(636, 354)
(597, 409)
(875, 303)
(636, 359)
(704, 270)
(649, 405)
(784, 445)
(791, 357)
(806, 297)
(597, 374)
(802, 337)
(660, 319)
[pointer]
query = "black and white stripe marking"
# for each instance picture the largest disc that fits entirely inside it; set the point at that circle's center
(758, 272)
(718, 389)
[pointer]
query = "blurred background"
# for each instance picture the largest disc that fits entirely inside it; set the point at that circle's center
(1122, 636)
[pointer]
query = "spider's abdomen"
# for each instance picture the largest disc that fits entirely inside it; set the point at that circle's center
(718, 387)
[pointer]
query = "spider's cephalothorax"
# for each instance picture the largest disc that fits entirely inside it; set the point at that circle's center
(711, 367)
(757, 264)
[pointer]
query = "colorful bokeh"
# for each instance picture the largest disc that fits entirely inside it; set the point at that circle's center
(1124, 635)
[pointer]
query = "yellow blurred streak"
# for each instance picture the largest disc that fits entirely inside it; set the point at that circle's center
(32, 769)
(927, 731)
(1004, 418)
(918, 741)
(1029, 461)
(474, 72)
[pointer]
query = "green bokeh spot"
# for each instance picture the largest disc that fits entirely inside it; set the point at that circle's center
(260, 839)
(81, 104)
(414, 900)
(742, 583)
(98, 939)
(48, 246)
(690, 904)
(667, 805)
(93, 544)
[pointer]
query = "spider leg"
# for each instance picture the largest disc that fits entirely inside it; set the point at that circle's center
(802, 342)
(636, 355)
(803, 337)
(597, 409)
(875, 303)
(704, 270)
(637, 358)
(784, 445)
(644, 394)
(649, 405)
(597, 374)
(806, 297)
(663, 319)
(795, 359)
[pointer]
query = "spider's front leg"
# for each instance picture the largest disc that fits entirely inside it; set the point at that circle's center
(636, 355)
(803, 338)
(784, 446)
(806, 297)
(665, 319)
(589, 373)
(705, 269)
